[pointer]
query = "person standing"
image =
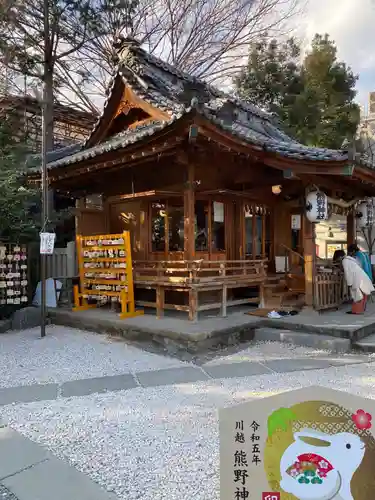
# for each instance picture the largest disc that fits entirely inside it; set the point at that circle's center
(362, 258)
(359, 283)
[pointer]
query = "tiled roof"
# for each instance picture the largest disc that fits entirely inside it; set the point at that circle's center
(172, 90)
(175, 92)
(120, 140)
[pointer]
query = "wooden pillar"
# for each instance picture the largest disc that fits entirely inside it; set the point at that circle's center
(189, 214)
(264, 230)
(309, 256)
(254, 235)
(80, 205)
(350, 228)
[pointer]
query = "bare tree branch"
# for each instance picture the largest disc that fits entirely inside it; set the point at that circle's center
(208, 38)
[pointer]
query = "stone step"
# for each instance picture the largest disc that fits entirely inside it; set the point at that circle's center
(366, 345)
(306, 339)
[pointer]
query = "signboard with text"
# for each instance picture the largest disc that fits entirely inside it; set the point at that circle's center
(308, 444)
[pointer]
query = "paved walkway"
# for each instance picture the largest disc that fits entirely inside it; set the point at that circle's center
(29, 472)
(217, 369)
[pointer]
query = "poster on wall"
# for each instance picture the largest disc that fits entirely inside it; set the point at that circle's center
(218, 211)
(296, 221)
(332, 247)
(307, 444)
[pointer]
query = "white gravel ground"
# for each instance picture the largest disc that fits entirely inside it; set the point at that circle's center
(160, 443)
(69, 354)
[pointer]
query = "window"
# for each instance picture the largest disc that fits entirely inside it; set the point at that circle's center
(249, 235)
(167, 226)
(255, 235)
(259, 236)
(176, 226)
(217, 227)
(201, 226)
(158, 214)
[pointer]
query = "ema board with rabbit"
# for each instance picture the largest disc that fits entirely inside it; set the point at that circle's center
(319, 466)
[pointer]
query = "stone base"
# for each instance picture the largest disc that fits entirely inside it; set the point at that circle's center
(28, 317)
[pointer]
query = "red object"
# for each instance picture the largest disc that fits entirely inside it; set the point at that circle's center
(362, 420)
(316, 459)
(359, 307)
(271, 496)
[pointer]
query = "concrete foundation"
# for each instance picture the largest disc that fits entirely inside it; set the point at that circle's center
(335, 331)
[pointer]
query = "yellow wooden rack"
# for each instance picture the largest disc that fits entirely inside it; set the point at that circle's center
(107, 258)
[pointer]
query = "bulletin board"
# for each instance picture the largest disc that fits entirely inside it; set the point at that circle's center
(106, 273)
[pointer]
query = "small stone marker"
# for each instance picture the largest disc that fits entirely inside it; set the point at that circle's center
(308, 444)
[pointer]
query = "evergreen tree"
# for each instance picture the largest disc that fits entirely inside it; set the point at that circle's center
(314, 99)
(19, 202)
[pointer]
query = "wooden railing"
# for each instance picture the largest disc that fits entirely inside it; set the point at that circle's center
(182, 272)
(196, 278)
(289, 265)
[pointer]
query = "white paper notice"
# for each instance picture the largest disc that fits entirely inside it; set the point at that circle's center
(296, 221)
(47, 243)
(218, 211)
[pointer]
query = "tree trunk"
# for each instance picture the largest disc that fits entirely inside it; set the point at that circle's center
(48, 99)
(48, 105)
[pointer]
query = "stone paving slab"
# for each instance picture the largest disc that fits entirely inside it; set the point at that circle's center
(53, 479)
(88, 386)
(315, 341)
(367, 344)
(18, 453)
(171, 376)
(293, 365)
(189, 374)
(233, 370)
(28, 393)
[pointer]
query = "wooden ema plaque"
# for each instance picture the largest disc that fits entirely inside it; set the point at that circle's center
(308, 444)
(13, 275)
(106, 273)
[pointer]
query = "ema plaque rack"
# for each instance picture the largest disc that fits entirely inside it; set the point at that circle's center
(106, 273)
(13, 274)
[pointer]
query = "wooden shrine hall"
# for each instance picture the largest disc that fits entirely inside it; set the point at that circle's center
(212, 191)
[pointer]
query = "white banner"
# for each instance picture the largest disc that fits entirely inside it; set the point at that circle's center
(47, 243)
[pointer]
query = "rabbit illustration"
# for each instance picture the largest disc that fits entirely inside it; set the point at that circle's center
(340, 454)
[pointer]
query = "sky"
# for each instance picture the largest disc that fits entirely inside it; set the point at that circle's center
(351, 23)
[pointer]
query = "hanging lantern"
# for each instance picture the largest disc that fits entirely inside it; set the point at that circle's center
(316, 206)
(365, 213)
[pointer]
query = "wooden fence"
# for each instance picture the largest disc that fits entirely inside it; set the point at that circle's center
(330, 289)
(61, 264)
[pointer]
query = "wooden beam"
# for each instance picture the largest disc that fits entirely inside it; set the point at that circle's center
(145, 194)
(189, 214)
(365, 174)
(339, 169)
(154, 112)
(106, 119)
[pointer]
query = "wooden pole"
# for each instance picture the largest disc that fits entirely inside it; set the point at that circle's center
(189, 214)
(309, 253)
(350, 228)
